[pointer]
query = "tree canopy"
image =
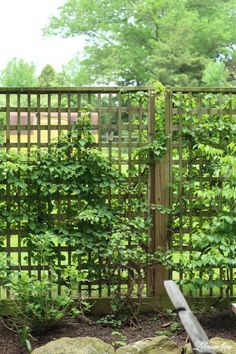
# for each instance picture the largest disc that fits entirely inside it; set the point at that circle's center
(137, 42)
(48, 76)
(18, 73)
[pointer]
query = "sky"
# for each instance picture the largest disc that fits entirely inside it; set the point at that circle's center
(21, 24)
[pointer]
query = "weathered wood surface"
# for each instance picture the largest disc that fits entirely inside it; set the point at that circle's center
(234, 307)
(175, 295)
(197, 335)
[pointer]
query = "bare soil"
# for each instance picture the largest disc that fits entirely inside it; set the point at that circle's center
(215, 324)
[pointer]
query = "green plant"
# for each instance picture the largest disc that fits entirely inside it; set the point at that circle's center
(2, 121)
(37, 306)
(4, 269)
(95, 226)
(73, 181)
(110, 321)
(175, 327)
(120, 339)
(155, 318)
(214, 248)
(170, 312)
(24, 335)
(163, 333)
(209, 192)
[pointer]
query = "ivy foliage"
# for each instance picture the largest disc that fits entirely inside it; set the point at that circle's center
(155, 148)
(205, 189)
(71, 196)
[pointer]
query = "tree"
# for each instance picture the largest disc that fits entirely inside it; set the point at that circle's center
(137, 42)
(48, 76)
(18, 73)
(215, 74)
(76, 74)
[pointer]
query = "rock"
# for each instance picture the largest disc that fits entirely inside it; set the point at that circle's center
(220, 345)
(81, 345)
(223, 345)
(154, 345)
(187, 349)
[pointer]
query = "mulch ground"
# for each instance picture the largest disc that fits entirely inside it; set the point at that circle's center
(215, 324)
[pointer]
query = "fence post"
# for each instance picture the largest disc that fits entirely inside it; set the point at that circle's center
(160, 178)
(151, 192)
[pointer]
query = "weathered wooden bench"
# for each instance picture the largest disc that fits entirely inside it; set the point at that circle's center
(197, 335)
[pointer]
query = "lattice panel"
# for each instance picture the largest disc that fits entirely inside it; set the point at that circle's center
(35, 117)
(188, 109)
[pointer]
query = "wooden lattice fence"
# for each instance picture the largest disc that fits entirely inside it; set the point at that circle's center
(36, 116)
(186, 110)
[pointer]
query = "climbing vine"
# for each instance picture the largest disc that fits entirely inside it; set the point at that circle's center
(60, 200)
(204, 188)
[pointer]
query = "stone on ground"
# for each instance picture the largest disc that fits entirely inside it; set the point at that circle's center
(154, 345)
(223, 346)
(81, 345)
(220, 345)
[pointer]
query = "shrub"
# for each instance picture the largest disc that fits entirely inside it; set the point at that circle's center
(37, 306)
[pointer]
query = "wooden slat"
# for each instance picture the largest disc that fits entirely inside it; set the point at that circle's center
(177, 111)
(18, 121)
(49, 128)
(176, 295)
(201, 177)
(162, 196)
(190, 174)
(180, 176)
(151, 276)
(73, 110)
(28, 128)
(119, 124)
(234, 308)
(83, 89)
(204, 89)
(129, 206)
(7, 145)
(99, 122)
(67, 126)
(196, 333)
